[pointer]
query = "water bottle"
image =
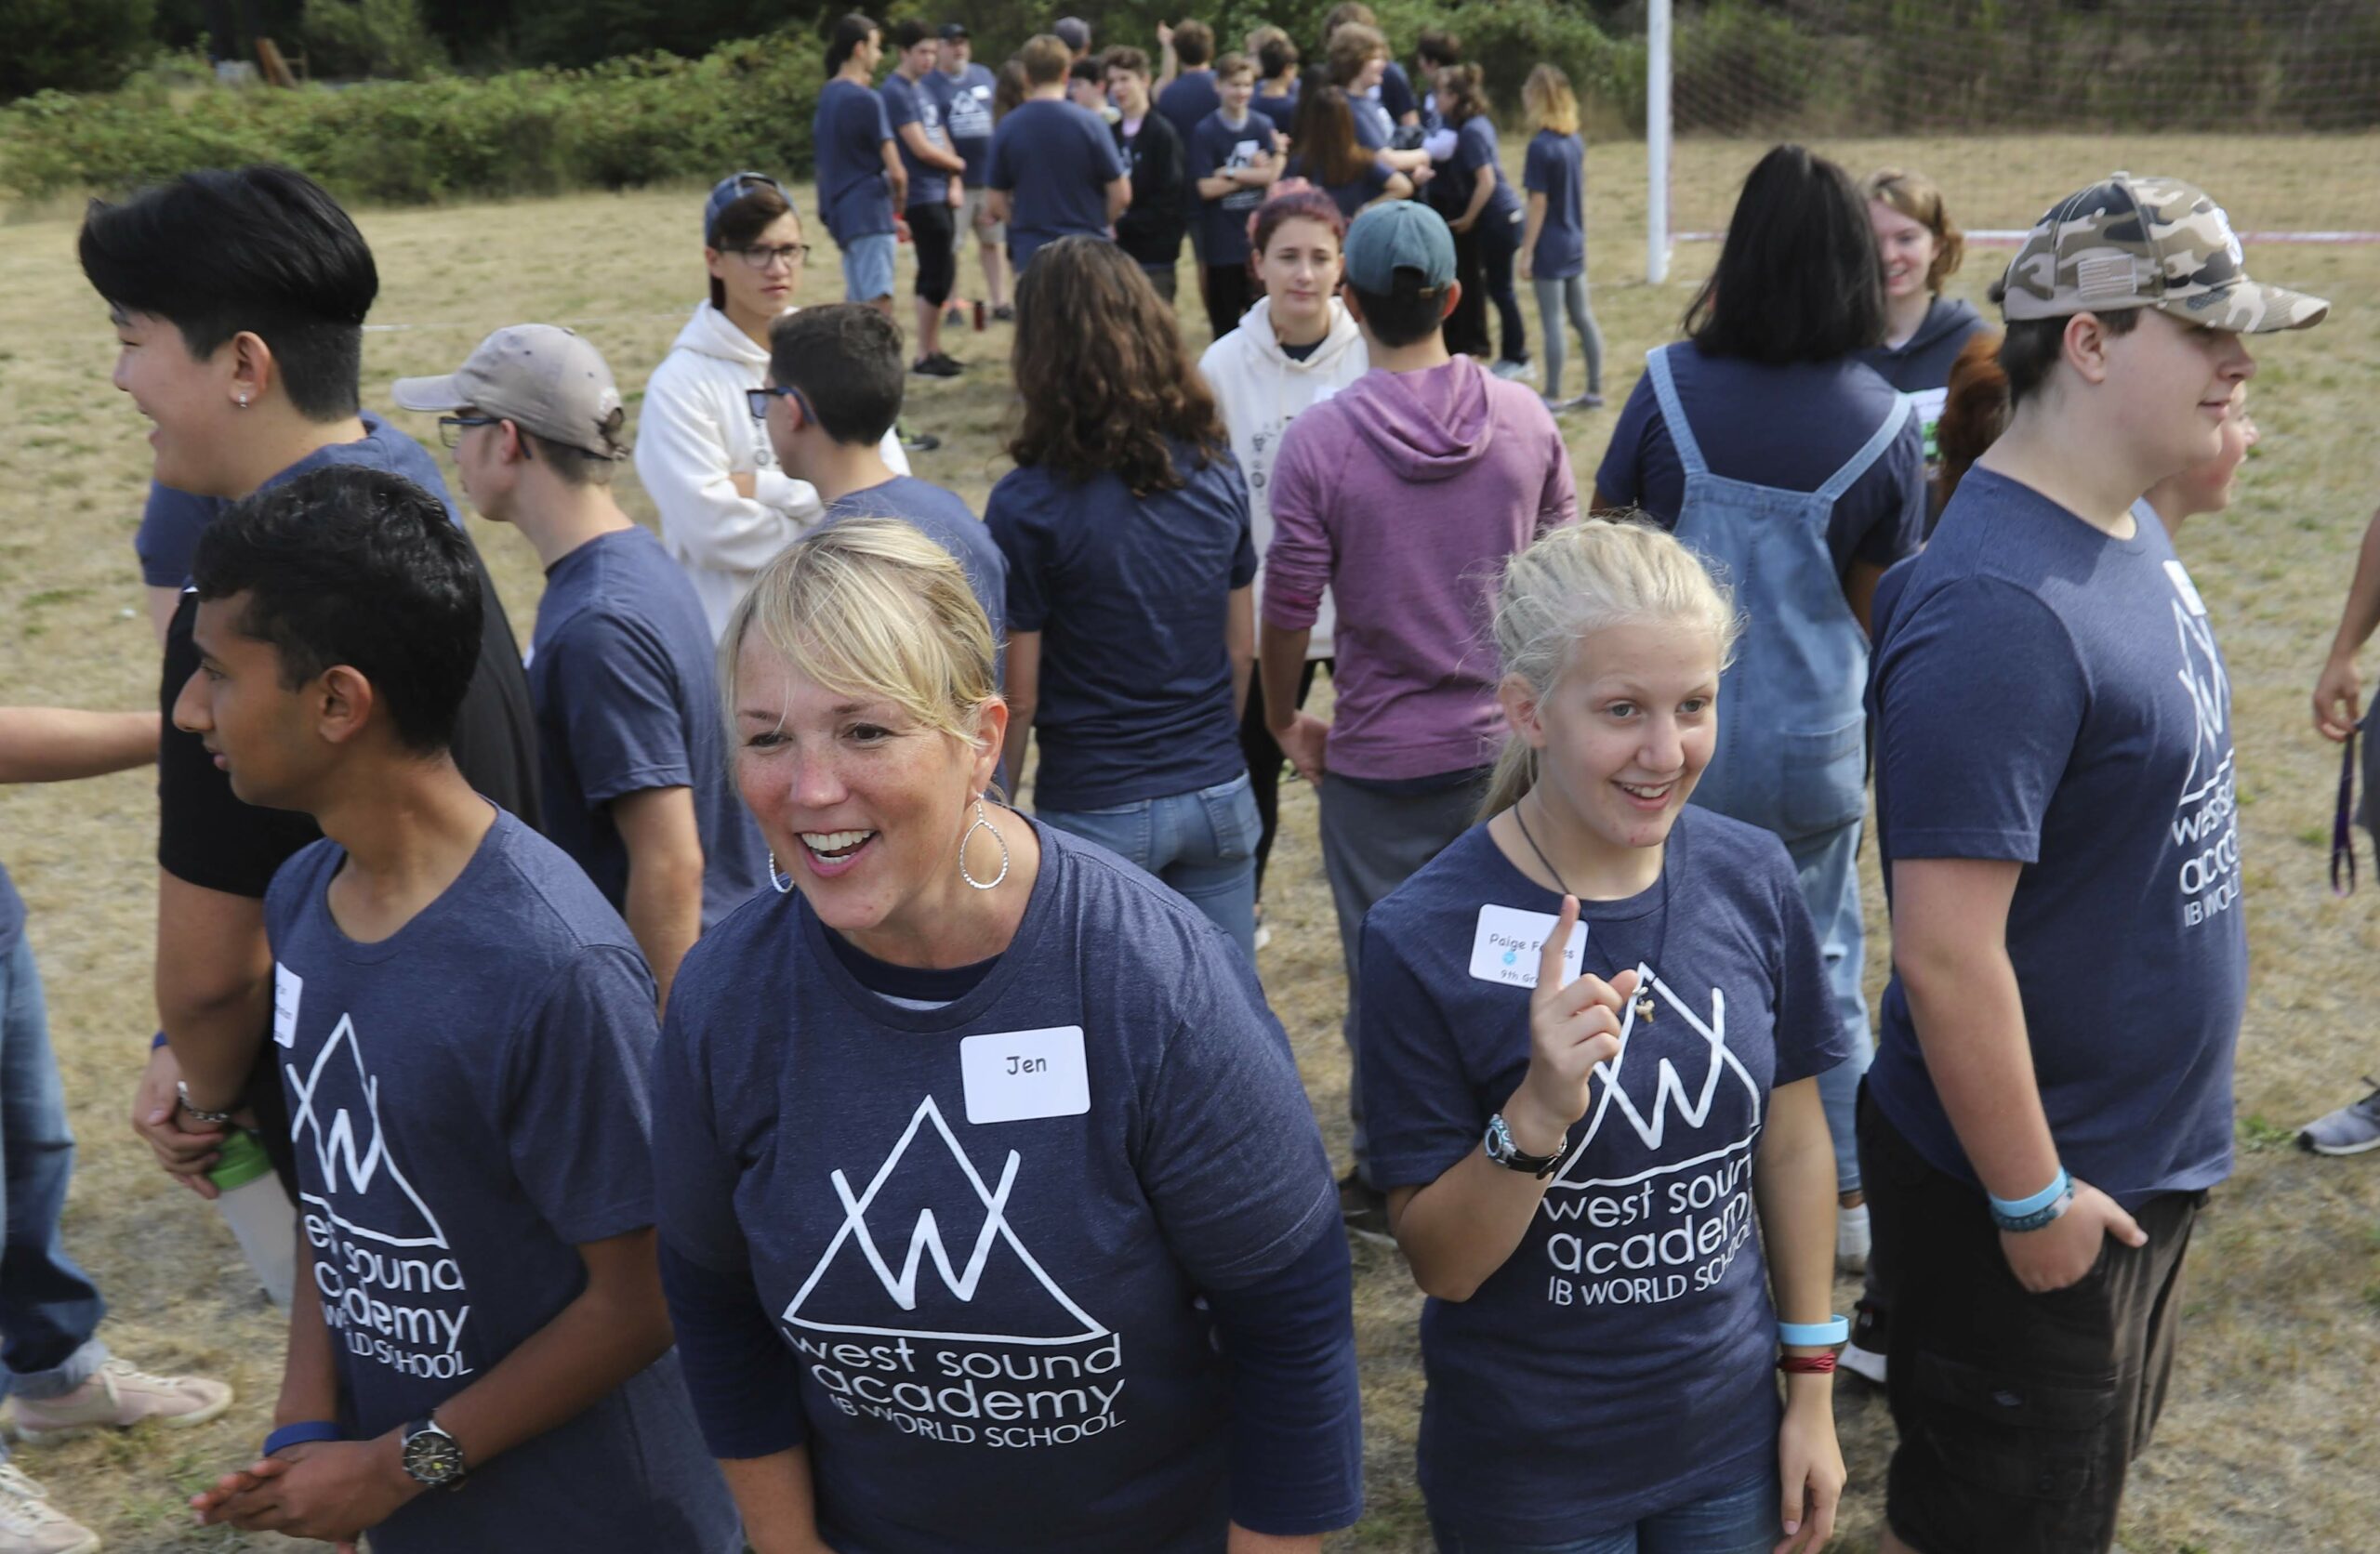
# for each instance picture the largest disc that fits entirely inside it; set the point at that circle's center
(259, 1213)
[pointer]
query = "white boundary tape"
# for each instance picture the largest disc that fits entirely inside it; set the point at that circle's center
(2012, 237)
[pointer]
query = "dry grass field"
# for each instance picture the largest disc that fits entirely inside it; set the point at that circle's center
(2271, 1440)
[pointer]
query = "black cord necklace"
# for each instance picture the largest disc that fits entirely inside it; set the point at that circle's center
(1645, 1005)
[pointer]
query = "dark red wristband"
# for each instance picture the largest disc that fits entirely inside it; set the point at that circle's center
(1806, 1364)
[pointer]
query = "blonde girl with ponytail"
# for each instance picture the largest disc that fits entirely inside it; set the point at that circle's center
(1591, 1028)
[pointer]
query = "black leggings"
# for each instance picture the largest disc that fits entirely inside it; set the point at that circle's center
(931, 232)
(1467, 325)
(1499, 242)
(1264, 760)
(1231, 290)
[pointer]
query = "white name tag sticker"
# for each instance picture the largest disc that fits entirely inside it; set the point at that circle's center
(2180, 577)
(1016, 1076)
(287, 988)
(1509, 940)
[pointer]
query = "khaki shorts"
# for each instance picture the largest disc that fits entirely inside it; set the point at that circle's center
(974, 216)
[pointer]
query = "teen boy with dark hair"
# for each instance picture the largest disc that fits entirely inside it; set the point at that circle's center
(913, 106)
(462, 1028)
(1151, 230)
(833, 373)
(862, 180)
(2052, 1092)
(1404, 495)
(637, 785)
(238, 300)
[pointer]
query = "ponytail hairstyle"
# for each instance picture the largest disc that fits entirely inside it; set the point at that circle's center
(1462, 95)
(1575, 581)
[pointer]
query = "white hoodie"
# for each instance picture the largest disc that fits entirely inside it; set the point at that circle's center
(1260, 390)
(693, 434)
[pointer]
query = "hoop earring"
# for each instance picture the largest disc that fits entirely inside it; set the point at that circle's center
(982, 822)
(782, 884)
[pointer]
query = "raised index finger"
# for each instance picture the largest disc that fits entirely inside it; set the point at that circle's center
(1549, 954)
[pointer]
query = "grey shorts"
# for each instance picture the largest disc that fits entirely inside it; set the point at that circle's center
(976, 215)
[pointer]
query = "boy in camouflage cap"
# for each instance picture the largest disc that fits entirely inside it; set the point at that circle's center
(2052, 1092)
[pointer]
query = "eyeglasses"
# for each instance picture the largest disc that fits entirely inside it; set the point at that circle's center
(451, 428)
(794, 256)
(758, 399)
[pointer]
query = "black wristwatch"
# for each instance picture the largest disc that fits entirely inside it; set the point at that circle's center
(431, 1457)
(1503, 1152)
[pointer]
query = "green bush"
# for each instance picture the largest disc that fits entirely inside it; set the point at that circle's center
(621, 123)
(383, 38)
(75, 46)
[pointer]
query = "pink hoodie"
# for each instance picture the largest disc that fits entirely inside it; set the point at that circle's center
(1404, 494)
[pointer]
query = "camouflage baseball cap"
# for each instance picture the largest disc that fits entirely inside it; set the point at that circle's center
(2130, 241)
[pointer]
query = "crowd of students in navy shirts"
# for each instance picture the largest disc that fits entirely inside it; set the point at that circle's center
(715, 1115)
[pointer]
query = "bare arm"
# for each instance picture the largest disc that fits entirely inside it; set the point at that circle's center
(162, 603)
(1794, 1188)
(1398, 187)
(1119, 198)
(1169, 63)
(996, 204)
(1023, 694)
(1240, 641)
(1949, 946)
(310, 1369)
(1483, 188)
(664, 906)
(1600, 505)
(775, 1495)
(59, 744)
(214, 983)
(1280, 659)
(896, 172)
(913, 135)
(1529, 229)
(2337, 694)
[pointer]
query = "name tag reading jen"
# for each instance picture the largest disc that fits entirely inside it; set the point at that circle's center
(1508, 942)
(1017, 1076)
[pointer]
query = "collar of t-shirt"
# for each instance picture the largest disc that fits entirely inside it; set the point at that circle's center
(918, 987)
(1304, 352)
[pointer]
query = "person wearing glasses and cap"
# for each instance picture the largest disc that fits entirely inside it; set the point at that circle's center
(726, 507)
(636, 779)
(2051, 1098)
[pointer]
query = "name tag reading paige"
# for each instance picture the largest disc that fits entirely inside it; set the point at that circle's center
(1509, 940)
(1016, 1076)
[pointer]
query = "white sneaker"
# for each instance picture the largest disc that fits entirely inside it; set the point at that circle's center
(1851, 1239)
(116, 1396)
(1864, 1355)
(29, 1524)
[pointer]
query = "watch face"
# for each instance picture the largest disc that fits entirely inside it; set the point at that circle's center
(432, 1457)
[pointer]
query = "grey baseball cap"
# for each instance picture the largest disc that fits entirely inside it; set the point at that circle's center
(1398, 235)
(542, 377)
(1072, 30)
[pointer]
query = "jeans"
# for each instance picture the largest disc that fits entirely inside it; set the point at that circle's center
(1735, 1519)
(1202, 844)
(1554, 299)
(1499, 245)
(1374, 841)
(1829, 865)
(48, 1306)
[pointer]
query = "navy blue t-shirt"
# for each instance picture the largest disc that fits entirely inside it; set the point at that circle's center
(1395, 93)
(1130, 596)
(1619, 1361)
(949, 521)
(621, 670)
(1474, 146)
(1787, 427)
(1056, 160)
(1374, 129)
(1554, 168)
(1187, 101)
(2047, 695)
(966, 104)
(12, 914)
(908, 102)
(467, 1103)
(172, 520)
(1351, 196)
(1282, 110)
(983, 1226)
(1214, 146)
(848, 132)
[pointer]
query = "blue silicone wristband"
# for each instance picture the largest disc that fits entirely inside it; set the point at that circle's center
(2017, 1208)
(1814, 1335)
(156, 1041)
(300, 1434)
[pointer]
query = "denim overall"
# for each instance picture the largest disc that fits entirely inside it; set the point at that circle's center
(1791, 754)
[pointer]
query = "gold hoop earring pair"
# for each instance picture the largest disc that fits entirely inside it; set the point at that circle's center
(982, 821)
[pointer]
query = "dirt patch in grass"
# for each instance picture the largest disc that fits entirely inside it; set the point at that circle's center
(2268, 1437)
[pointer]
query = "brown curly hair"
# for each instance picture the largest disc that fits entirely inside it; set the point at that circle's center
(1102, 377)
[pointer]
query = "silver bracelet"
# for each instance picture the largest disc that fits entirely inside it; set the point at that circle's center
(199, 1114)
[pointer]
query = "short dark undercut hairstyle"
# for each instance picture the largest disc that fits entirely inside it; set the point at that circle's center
(909, 33)
(1409, 311)
(848, 33)
(845, 358)
(361, 567)
(2031, 348)
(261, 250)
